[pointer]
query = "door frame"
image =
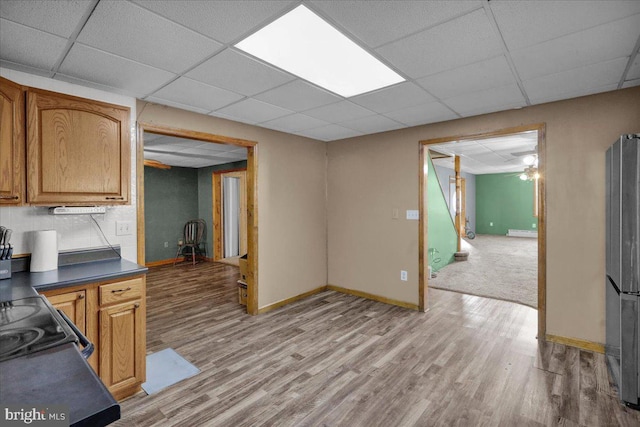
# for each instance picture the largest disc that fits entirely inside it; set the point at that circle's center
(423, 262)
(252, 196)
(218, 216)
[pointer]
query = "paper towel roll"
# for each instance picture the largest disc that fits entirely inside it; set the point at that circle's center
(44, 253)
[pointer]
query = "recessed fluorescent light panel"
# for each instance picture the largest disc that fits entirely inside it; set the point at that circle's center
(303, 44)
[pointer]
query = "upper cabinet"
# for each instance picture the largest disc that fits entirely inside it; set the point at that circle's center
(12, 143)
(78, 150)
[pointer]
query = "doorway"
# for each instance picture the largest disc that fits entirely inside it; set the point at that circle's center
(251, 197)
(229, 216)
(539, 200)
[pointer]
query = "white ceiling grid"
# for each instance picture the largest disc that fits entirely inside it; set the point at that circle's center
(500, 154)
(460, 58)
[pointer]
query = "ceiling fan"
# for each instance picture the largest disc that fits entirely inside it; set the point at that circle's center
(530, 159)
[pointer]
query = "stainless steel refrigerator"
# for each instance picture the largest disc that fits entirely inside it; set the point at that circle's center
(623, 266)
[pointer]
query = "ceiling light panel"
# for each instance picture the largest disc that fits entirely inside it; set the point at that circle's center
(305, 45)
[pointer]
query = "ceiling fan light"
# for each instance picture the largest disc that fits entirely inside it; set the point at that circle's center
(529, 160)
(523, 176)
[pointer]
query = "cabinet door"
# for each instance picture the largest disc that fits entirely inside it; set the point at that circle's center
(122, 347)
(73, 304)
(78, 151)
(12, 131)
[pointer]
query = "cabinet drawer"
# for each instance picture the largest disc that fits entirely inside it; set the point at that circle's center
(121, 291)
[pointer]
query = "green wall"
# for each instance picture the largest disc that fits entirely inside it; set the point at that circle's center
(170, 200)
(442, 238)
(506, 201)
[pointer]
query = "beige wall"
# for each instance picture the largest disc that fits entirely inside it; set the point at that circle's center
(369, 176)
(292, 252)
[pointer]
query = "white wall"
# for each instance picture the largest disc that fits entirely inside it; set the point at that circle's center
(74, 231)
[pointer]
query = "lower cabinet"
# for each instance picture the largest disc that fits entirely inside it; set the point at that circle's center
(113, 317)
(73, 304)
(122, 364)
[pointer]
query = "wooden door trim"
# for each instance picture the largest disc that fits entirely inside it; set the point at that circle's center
(423, 281)
(252, 196)
(218, 229)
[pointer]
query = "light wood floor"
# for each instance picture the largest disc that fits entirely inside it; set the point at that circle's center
(339, 360)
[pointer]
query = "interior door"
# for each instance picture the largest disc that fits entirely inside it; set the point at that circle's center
(230, 215)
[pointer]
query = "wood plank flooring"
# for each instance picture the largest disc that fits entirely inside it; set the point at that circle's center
(339, 360)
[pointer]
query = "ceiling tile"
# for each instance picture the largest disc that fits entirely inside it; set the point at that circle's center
(55, 17)
(591, 46)
(422, 114)
(339, 111)
(196, 94)
(573, 83)
(110, 70)
(494, 72)
(631, 83)
(462, 41)
(329, 133)
(237, 72)
(253, 111)
(298, 95)
(177, 105)
(526, 23)
(372, 124)
(222, 20)
(634, 71)
(127, 30)
(24, 45)
(392, 98)
(379, 22)
(294, 123)
(487, 101)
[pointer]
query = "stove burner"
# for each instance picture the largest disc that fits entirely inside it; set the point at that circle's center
(14, 340)
(11, 313)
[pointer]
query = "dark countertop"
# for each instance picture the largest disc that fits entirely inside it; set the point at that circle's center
(58, 376)
(25, 284)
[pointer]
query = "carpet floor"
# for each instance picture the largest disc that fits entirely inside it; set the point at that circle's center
(498, 267)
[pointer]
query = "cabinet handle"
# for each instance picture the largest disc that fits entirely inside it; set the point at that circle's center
(81, 296)
(136, 305)
(114, 198)
(120, 290)
(9, 197)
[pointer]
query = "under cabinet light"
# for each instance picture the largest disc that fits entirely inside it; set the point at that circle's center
(304, 44)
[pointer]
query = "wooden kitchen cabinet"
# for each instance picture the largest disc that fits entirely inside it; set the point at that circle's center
(78, 150)
(12, 143)
(73, 304)
(123, 336)
(112, 315)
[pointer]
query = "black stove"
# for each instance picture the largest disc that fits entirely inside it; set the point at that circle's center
(29, 325)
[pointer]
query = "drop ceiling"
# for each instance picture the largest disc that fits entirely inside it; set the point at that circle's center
(459, 58)
(189, 153)
(490, 155)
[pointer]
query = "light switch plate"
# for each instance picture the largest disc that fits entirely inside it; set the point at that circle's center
(413, 214)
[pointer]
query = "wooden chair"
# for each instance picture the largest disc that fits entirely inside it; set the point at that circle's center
(193, 237)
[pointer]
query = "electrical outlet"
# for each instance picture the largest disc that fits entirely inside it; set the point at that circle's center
(413, 214)
(403, 275)
(534, 225)
(166, 244)
(124, 228)
(490, 224)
